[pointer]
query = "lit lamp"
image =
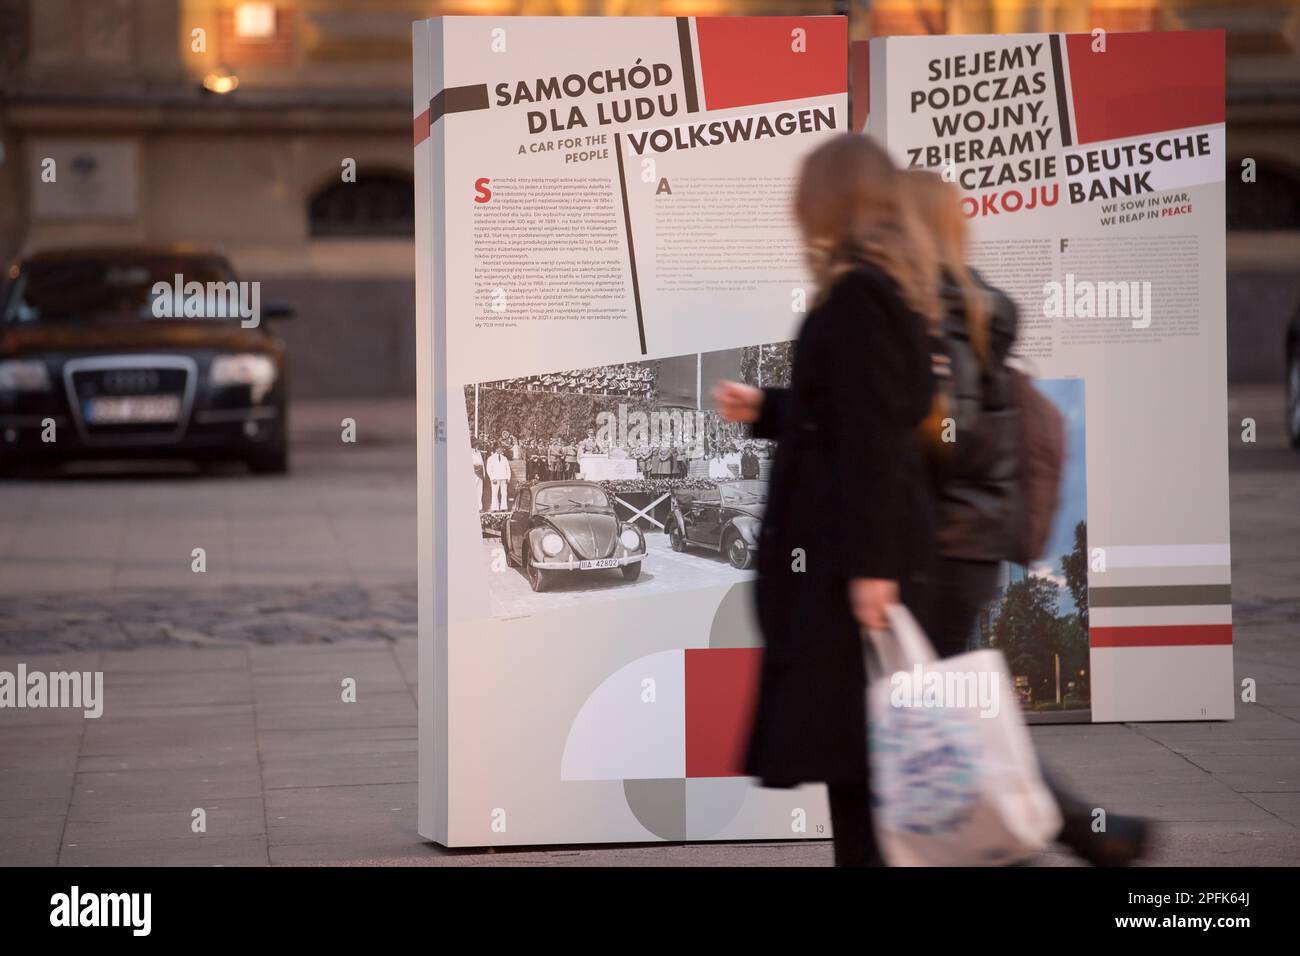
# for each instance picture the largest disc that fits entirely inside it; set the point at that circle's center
(221, 81)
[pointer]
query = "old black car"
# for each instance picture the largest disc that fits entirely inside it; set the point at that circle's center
(561, 526)
(725, 518)
(94, 364)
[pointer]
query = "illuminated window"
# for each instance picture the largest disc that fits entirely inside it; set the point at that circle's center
(256, 34)
(255, 21)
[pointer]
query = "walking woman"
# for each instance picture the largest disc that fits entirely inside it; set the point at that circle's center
(848, 528)
(976, 478)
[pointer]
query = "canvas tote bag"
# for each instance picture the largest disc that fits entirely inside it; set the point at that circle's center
(954, 777)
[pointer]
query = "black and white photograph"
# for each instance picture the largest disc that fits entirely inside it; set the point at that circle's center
(594, 481)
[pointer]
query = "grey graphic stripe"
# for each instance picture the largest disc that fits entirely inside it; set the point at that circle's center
(631, 250)
(1161, 595)
(458, 99)
(1062, 104)
(688, 63)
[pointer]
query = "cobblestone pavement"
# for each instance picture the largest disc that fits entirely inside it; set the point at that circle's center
(225, 685)
(118, 620)
(345, 516)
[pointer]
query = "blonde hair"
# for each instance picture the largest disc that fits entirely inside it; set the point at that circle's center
(938, 203)
(852, 208)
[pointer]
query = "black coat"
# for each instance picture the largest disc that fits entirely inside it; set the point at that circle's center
(849, 492)
(980, 499)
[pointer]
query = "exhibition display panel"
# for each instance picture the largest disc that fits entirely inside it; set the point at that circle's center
(604, 232)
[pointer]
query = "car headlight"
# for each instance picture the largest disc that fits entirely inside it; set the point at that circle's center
(244, 368)
(24, 375)
(552, 544)
(631, 540)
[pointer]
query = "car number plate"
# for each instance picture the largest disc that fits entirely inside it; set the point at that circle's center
(135, 409)
(601, 563)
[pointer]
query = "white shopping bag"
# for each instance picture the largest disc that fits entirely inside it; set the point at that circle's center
(954, 778)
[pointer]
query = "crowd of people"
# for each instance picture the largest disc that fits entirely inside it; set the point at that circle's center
(559, 457)
(634, 381)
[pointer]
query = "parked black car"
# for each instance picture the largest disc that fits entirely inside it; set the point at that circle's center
(725, 518)
(569, 526)
(93, 366)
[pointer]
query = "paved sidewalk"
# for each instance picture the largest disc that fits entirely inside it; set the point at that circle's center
(344, 517)
(249, 724)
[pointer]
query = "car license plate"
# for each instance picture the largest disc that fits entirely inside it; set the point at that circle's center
(135, 409)
(601, 563)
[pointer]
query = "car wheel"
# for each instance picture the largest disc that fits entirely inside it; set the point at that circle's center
(738, 552)
(505, 544)
(1293, 396)
(631, 571)
(270, 461)
(676, 539)
(538, 579)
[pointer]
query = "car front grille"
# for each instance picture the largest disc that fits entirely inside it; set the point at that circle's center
(131, 387)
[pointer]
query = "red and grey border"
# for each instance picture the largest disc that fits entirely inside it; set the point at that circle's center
(1164, 596)
(1160, 616)
(454, 99)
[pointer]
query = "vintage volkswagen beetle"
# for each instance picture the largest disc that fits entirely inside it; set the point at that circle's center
(725, 518)
(569, 526)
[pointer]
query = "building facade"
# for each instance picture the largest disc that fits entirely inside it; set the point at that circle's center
(232, 125)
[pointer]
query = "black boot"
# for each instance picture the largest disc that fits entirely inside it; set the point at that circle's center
(1124, 840)
(1122, 843)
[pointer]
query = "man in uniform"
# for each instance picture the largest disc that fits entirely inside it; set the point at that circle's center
(590, 446)
(570, 459)
(554, 459)
(498, 469)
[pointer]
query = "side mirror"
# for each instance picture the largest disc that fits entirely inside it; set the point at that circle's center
(277, 310)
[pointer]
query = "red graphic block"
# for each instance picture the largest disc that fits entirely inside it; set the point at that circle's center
(1160, 635)
(721, 686)
(1145, 83)
(749, 60)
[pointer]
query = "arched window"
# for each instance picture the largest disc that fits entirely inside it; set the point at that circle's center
(377, 204)
(1271, 202)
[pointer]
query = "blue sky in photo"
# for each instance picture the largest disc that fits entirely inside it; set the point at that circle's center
(1067, 394)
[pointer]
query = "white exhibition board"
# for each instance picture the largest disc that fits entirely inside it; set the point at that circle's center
(1093, 172)
(603, 229)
